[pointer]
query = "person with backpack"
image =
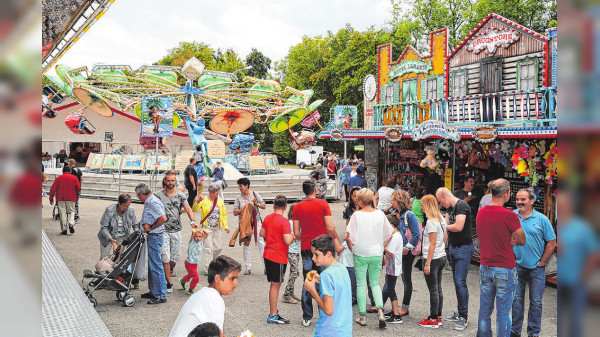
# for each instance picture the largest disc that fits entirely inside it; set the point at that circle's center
(411, 235)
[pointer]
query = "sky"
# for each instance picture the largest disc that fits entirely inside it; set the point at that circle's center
(138, 32)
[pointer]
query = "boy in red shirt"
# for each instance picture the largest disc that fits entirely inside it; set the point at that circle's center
(277, 234)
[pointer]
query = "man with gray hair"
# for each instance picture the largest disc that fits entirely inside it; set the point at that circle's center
(152, 222)
(531, 262)
(498, 230)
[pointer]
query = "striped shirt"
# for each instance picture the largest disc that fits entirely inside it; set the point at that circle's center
(153, 209)
(194, 252)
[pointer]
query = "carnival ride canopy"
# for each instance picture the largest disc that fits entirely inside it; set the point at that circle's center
(232, 106)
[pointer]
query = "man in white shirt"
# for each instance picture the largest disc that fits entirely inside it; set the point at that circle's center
(207, 305)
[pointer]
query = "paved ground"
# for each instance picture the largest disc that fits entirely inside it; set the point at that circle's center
(247, 308)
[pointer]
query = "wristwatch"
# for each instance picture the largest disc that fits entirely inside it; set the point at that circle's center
(192, 221)
(427, 265)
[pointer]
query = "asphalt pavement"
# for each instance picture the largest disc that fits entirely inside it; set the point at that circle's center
(248, 308)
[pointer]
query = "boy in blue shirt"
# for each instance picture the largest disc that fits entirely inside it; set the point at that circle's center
(335, 295)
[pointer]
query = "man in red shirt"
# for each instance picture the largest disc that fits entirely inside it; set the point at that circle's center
(276, 231)
(312, 217)
(498, 230)
(65, 188)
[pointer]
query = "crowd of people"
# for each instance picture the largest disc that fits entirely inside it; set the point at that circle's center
(387, 230)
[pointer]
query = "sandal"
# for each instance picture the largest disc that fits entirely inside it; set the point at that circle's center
(248, 272)
(361, 321)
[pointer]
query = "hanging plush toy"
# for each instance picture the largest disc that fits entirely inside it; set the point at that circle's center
(430, 160)
(516, 158)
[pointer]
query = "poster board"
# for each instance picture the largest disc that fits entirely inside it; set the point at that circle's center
(164, 163)
(270, 163)
(90, 159)
(97, 161)
(345, 117)
(112, 162)
(181, 162)
(448, 179)
(257, 163)
(157, 117)
(133, 162)
(216, 150)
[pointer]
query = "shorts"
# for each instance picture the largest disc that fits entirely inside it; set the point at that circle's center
(275, 271)
(171, 248)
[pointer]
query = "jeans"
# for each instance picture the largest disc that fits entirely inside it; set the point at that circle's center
(352, 274)
(536, 278)
(77, 206)
(389, 288)
(156, 274)
(372, 265)
(407, 265)
(308, 265)
(499, 284)
(460, 260)
(434, 284)
(572, 304)
(191, 195)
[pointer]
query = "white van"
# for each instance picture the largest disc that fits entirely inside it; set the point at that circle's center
(308, 157)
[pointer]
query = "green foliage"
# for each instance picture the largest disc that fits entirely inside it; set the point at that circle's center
(227, 61)
(186, 50)
(281, 145)
(259, 62)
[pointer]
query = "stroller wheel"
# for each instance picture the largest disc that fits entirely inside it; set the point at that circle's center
(93, 301)
(121, 295)
(128, 301)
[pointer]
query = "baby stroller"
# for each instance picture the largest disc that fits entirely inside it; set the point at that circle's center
(119, 279)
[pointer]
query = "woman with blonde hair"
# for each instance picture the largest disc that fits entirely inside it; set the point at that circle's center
(406, 220)
(368, 232)
(434, 251)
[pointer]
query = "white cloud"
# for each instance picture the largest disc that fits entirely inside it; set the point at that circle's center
(141, 32)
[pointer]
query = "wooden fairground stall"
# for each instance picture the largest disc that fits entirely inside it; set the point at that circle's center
(487, 111)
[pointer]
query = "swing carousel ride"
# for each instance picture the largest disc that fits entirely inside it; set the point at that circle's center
(200, 97)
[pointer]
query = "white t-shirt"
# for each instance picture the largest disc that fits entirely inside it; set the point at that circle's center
(368, 231)
(385, 198)
(346, 257)
(206, 305)
(396, 246)
(433, 226)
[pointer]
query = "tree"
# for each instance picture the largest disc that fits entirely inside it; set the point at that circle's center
(260, 64)
(185, 51)
(227, 61)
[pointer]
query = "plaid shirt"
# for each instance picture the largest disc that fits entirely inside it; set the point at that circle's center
(153, 209)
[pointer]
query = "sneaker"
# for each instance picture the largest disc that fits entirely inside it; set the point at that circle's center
(389, 314)
(382, 321)
(157, 301)
(182, 284)
(288, 299)
(169, 287)
(453, 317)
(277, 319)
(147, 295)
(429, 323)
(306, 322)
(296, 298)
(71, 229)
(190, 291)
(439, 321)
(63, 233)
(394, 319)
(461, 324)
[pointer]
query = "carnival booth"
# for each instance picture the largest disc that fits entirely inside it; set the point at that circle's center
(487, 112)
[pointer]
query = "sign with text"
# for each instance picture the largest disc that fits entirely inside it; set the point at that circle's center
(485, 133)
(410, 66)
(448, 178)
(393, 134)
(216, 149)
(257, 163)
(336, 135)
(181, 162)
(492, 38)
(434, 128)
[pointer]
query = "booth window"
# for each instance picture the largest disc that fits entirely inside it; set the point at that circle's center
(527, 75)
(459, 80)
(432, 88)
(389, 94)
